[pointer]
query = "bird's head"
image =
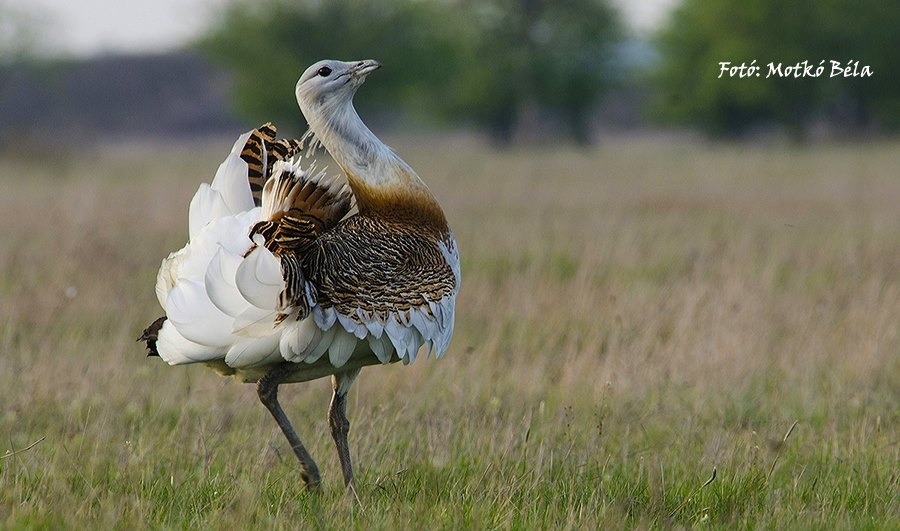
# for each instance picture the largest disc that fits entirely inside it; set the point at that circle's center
(329, 83)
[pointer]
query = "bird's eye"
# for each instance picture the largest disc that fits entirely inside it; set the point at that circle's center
(324, 71)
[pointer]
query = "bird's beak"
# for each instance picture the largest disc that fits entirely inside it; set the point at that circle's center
(363, 68)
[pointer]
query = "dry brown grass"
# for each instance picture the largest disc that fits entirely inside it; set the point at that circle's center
(631, 318)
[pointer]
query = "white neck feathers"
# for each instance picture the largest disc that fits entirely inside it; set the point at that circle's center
(381, 181)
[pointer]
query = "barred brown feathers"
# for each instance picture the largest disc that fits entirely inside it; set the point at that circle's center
(378, 267)
(261, 152)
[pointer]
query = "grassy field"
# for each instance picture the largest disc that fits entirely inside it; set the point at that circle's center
(655, 333)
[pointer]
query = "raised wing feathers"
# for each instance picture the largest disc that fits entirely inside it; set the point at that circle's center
(296, 209)
(261, 151)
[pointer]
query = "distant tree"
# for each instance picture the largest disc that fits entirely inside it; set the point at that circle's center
(869, 30)
(269, 43)
(486, 62)
(523, 56)
(19, 34)
(703, 33)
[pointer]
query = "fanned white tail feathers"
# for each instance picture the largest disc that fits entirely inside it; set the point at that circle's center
(198, 285)
(228, 194)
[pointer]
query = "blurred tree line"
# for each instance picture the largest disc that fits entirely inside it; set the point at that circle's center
(523, 68)
(702, 33)
(496, 64)
(506, 65)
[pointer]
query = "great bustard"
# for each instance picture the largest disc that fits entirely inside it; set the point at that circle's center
(276, 273)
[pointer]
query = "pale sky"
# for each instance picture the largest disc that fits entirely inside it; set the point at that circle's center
(89, 27)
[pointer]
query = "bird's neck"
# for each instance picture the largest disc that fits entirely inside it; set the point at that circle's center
(383, 184)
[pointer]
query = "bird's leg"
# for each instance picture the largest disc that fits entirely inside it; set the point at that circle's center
(340, 426)
(267, 388)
